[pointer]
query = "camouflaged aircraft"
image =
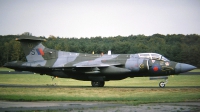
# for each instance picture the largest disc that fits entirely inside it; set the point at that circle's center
(94, 67)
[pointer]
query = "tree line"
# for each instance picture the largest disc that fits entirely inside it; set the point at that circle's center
(176, 47)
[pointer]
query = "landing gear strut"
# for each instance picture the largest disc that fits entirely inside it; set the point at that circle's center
(162, 84)
(52, 77)
(97, 83)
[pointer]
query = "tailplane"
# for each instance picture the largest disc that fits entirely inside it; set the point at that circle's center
(33, 48)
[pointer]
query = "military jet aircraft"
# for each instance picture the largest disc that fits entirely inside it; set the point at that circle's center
(94, 67)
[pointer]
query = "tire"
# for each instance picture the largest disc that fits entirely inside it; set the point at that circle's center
(97, 83)
(162, 84)
(102, 84)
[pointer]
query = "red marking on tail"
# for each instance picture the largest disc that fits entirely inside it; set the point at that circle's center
(41, 51)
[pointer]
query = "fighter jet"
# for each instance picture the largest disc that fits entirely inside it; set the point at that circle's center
(94, 67)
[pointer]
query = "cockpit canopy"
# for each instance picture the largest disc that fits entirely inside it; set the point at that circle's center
(153, 56)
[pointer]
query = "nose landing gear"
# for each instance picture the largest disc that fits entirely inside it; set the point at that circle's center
(162, 84)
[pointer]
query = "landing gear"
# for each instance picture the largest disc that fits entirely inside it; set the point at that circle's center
(52, 77)
(97, 84)
(162, 84)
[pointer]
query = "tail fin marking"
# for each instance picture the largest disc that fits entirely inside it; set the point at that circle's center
(40, 51)
(36, 54)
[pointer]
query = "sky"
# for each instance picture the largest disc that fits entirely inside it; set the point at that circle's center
(106, 18)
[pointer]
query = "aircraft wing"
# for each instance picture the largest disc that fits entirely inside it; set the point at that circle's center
(95, 64)
(95, 67)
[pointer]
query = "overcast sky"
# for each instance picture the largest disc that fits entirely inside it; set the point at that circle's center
(90, 18)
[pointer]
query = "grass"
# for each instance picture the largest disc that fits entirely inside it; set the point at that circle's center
(131, 90)
(36, 79)
(5, 69)
(195, 70)
(126, 95)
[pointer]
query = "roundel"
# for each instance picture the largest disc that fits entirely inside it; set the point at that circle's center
(155, 68)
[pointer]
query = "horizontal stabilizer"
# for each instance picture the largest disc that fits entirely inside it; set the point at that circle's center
(24, 38)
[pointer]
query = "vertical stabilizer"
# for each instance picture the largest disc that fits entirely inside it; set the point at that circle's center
(33, 48)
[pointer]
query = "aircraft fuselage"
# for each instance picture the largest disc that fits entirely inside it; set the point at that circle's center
(93, 67)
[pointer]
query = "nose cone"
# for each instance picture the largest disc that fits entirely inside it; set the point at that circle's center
(182, 67)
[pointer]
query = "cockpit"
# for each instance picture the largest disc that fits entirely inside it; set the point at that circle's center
(153, 56)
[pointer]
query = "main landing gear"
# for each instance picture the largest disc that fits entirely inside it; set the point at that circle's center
(97, 83)
(53, 77)
(162, 84)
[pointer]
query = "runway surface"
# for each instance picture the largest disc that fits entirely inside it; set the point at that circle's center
(73, 106)
(58, 106)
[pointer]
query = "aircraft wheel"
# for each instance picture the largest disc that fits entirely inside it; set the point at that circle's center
(98, 84)
(102, 84)
(162, 84)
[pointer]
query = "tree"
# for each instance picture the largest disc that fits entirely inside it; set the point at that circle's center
(176, 47)
(27, 34)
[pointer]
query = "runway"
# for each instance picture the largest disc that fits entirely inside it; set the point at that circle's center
(75, 106)
(57, 106)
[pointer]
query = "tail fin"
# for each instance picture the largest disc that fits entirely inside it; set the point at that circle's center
(32, 47)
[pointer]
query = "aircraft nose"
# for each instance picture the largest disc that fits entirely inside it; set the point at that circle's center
(182, 67)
